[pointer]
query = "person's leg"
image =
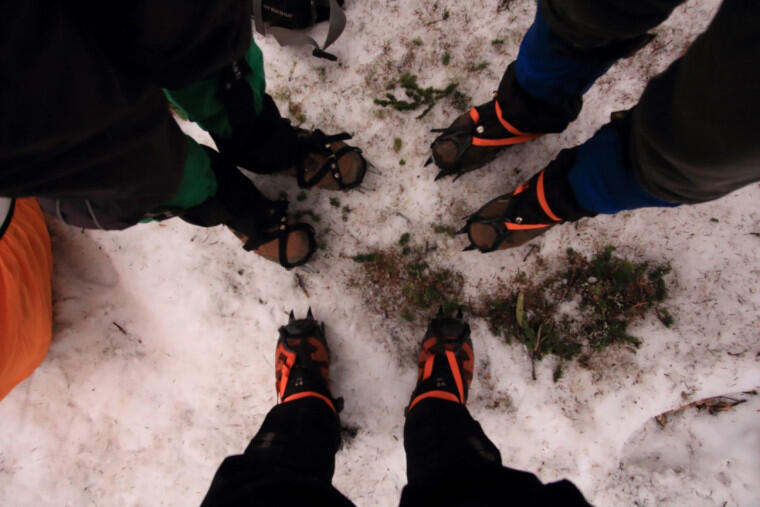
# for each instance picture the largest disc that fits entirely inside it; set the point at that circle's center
(289, 462)
(249, 131)
(205, 59)
(291, 459)
(569, 45)
(690, 139)
(213, 192)
(26, 314)
(693, 135)
(442, 439)
(109, 153)
(450, 460)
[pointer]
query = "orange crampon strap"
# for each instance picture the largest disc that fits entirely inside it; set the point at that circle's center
(426, 362)
(441, 395)
(541, 197)
(518, 135)
(283, 364)
(310, 394)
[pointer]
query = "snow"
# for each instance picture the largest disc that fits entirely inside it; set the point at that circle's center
(162, 359)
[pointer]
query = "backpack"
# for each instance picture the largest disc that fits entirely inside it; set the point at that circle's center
(285, 18)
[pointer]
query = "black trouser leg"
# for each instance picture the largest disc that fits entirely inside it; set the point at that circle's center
(596, 23)
(290, 461)
(450, 461)
(300, 436)
(693, 135)
(441, 438)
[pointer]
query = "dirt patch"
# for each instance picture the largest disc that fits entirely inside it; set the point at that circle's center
(401, 282)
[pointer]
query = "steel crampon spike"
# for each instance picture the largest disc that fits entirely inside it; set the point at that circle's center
(309, 315)
(460, 315)
(428, 161)
(309, 268)
(464, 229)
(441, 174)
(440, 314)
(372, 169)
(469, 247)
(292, 317)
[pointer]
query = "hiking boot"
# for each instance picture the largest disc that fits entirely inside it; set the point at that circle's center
(267, 143)
(302, 362)
(530, 210)
(329, 162)
(262, 225)
(445, 361)
(474, 139)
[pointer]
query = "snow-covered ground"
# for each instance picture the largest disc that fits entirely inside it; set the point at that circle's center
(162, 360)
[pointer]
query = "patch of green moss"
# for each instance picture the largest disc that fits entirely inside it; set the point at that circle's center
(611, 292)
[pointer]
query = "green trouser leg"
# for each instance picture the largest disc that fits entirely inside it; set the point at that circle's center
(198, 181)
(200, 101)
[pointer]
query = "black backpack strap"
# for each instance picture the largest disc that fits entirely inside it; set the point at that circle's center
(7, 205)
(258, 17)
(288, 37)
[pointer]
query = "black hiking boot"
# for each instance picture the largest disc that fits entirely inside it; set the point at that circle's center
(302, 362)
(445, 361)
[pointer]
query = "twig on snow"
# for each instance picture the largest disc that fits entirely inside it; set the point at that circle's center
(713, 405)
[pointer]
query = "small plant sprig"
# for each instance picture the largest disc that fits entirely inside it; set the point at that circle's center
(419, 96)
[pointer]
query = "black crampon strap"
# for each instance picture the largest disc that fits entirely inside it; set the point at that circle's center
(281, 235)
(495, 223)
(321, 144)
(290, 37)
(462, 139)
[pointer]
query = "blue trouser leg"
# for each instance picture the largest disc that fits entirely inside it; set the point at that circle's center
(553, 70)
(542, 90)
(601, 180)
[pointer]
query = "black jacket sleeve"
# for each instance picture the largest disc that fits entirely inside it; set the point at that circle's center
(85, 123)
(170, 42)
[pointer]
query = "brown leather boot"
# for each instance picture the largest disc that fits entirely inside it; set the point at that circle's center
(530, 210)
(262, 225)
(474, 139)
